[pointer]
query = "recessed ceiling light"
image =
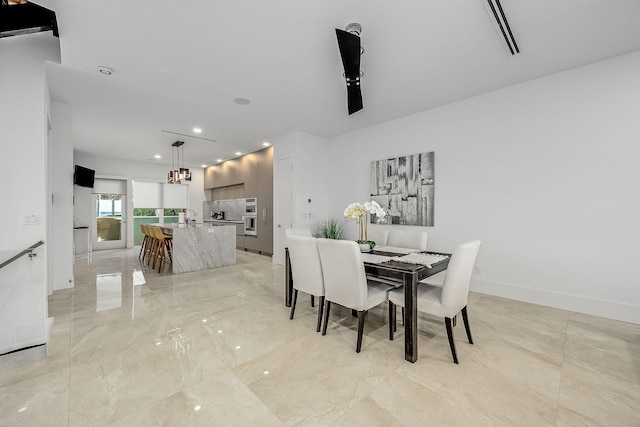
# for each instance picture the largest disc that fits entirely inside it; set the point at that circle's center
(238, 153)
(265, 144)
(105, 70)
(218, 160)
(204, 166)
(241, 101)
(197, 130)
(157, 156)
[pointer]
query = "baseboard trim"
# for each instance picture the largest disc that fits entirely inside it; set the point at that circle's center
(27, 355)
(581, 304)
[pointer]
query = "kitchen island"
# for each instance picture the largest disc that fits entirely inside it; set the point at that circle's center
(201, 246)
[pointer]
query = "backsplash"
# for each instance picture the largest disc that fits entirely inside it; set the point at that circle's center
(233, 208)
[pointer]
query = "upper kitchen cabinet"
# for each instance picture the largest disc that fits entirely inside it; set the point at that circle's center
(231, 173)
(211, 176)
(249, 167)
(248, 170)
(265, 163)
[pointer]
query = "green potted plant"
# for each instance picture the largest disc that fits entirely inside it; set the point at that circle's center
(330, 228)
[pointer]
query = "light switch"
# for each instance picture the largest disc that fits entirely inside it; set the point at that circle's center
(30, 219)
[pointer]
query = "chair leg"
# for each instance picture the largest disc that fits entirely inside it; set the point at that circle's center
(392, 319)
(155, 255)
(327, 308)
(449, 324)
(152, 251)
(169, 249)
(361, 315)
(142, 246)
(161, 255)
(465, 319)
(293, 303)
(320, 309)
(313, 301)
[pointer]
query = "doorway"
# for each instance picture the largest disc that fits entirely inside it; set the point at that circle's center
(110, 213)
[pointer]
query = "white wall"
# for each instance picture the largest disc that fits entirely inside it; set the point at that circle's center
(310, 159)
(61, 181)
(131, 170)
(23, 188)
(23, 135)
(544, 173)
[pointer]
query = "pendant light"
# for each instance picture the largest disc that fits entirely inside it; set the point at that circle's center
(179, 173)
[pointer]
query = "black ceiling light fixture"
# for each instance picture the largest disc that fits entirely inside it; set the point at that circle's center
(350, 51)
(494, 8)
(19, 17)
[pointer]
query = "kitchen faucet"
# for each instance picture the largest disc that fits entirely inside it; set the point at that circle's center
(195, 214)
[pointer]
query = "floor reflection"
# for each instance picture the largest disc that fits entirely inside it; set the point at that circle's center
(108, 291)
(138, 280)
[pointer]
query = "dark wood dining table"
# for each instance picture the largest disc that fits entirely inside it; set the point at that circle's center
(408, 274)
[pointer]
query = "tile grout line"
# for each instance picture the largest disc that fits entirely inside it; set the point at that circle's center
(564, 352)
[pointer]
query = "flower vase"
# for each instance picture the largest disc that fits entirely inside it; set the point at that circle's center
(363, 235)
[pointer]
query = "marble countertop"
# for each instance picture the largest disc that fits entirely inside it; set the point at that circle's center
(175, 225)
(226, 221)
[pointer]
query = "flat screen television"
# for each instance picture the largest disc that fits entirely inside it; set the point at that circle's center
(83, 177)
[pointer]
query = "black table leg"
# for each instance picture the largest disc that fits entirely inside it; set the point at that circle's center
(288, 280)
(411, 317)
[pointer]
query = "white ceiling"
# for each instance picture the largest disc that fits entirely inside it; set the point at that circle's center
(178, 65)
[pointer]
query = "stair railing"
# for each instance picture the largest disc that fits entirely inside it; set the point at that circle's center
(28, 251)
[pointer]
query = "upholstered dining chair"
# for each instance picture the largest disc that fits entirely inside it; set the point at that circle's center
(378, 234)
(446, 301)
(411, 239)
(345, 282)
(306, 268)
(297, 232)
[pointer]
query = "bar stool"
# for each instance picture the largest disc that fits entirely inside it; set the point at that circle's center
(146, 241)
(164, 243)
(153, 243)
(149, 251)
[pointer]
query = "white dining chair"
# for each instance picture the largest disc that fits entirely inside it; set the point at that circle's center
(411, 239)
(446, 301)
(345, 282)
(307, 271)
(297, 232)
(378, 234)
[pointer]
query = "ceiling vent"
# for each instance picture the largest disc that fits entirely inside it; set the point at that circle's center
(19, 17)
(494, 8)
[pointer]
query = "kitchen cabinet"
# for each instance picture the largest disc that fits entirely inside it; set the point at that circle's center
(248, 176)
(251, 242)
(265, 216)
(209, 181)
(248, 167)
(230, 174)
(251, 188)
(265, 200)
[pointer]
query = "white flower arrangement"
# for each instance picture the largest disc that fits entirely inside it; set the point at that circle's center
(374, 208)
(354, 211)
(360, 212)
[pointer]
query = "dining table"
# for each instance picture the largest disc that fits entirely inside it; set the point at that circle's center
(399, 267)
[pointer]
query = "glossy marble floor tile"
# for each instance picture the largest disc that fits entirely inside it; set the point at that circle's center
(131, 346)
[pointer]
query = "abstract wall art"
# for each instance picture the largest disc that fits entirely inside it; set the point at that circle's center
(404, 187)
